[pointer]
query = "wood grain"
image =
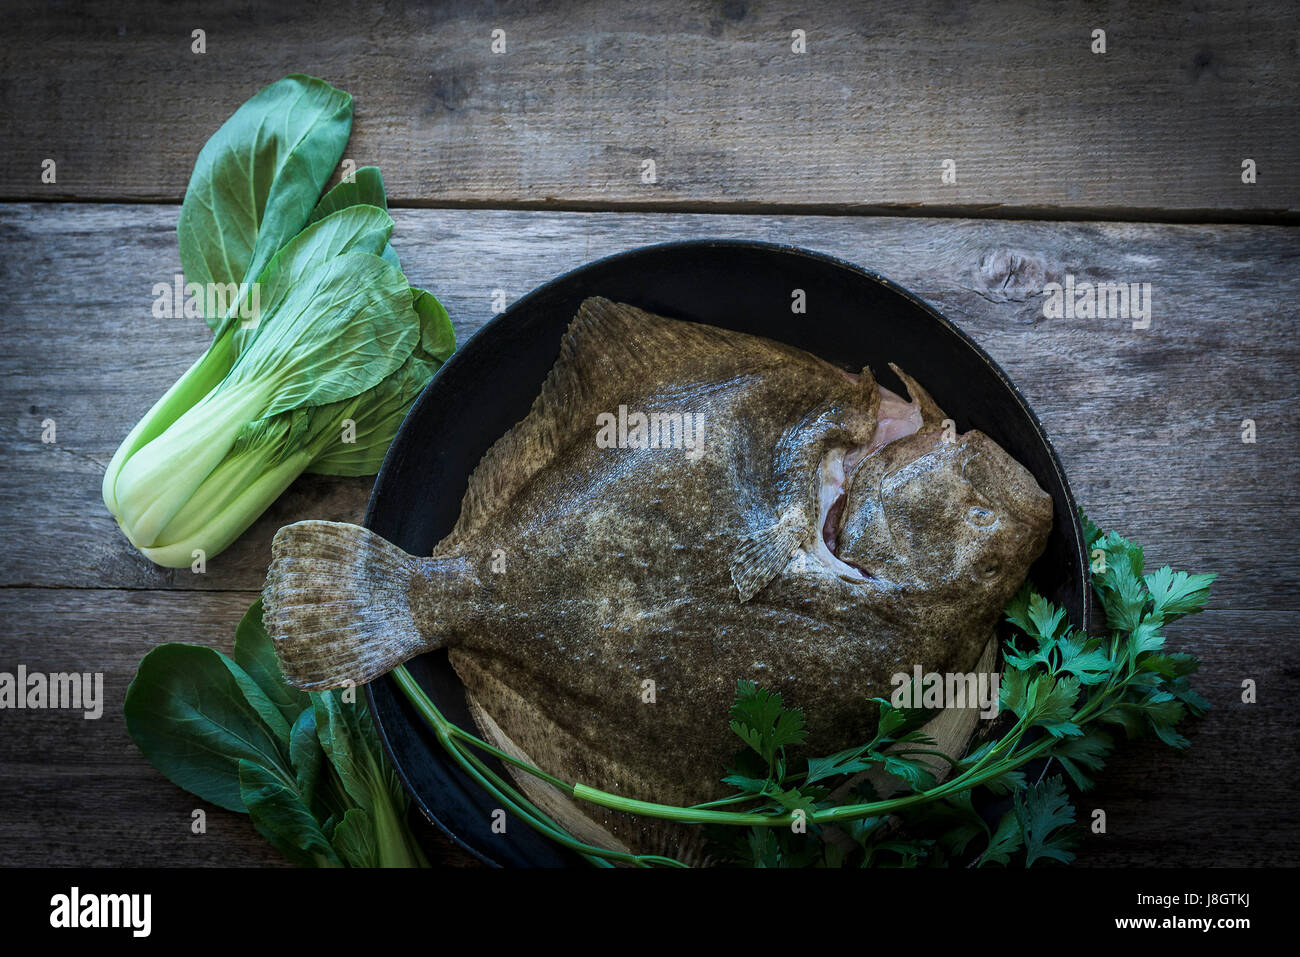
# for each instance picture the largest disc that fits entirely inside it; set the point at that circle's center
(1155, 128)
(77, 792)
(1146, 421)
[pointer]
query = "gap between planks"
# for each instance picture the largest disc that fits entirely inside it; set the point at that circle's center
(1155, 215)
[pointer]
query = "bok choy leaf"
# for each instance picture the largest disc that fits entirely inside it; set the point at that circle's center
(258, 178)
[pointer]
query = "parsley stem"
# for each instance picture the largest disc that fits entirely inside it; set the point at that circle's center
(456, 732)
(702, 814)
(490, 781)
(721, 802)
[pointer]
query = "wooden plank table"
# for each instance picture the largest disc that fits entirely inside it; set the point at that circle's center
(511, 168)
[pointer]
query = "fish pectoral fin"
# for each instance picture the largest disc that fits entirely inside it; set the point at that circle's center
(760, 557)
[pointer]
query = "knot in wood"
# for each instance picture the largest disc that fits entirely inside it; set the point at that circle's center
(1009, 275)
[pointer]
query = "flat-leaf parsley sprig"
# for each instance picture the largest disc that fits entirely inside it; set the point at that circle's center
(1062, 686)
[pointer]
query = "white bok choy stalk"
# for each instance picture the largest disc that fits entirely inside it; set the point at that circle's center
(336, 334)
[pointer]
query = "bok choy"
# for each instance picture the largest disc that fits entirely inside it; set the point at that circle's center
(320, 344)
(308, 769)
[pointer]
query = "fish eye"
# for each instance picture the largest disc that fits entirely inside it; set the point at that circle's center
(980, 517)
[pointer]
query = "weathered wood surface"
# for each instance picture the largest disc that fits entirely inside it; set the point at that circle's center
(1156, 127)
(76, 791)
(1147, 422)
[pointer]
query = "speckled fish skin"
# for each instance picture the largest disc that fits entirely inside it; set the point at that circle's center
(577, 573)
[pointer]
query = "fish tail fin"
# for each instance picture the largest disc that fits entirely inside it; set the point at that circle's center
(339, 604)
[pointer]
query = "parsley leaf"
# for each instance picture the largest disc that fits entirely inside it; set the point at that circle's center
(1082, 657)
(763, 722)
(1043, 811)
(1087, 751)
(1177, 593)
(1006, 840)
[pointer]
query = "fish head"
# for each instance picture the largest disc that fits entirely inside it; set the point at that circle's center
(960, 518)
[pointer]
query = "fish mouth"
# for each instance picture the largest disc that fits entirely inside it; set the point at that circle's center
(896, 418)
(1008, 493)
(837, 467)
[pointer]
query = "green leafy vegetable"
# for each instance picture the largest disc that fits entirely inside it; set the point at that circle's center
(257, 180)
(365, 188)
(256, 657)
(350, 743)
(355, 839)
(279, 812)
(308, 769)
(337, 333)
(188, 713)
(317, 356)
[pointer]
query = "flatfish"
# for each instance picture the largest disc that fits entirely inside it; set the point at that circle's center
(683, 506)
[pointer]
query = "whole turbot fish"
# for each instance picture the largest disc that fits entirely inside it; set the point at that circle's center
(688, 506)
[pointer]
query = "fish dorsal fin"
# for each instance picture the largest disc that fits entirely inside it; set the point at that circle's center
(606, 346)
